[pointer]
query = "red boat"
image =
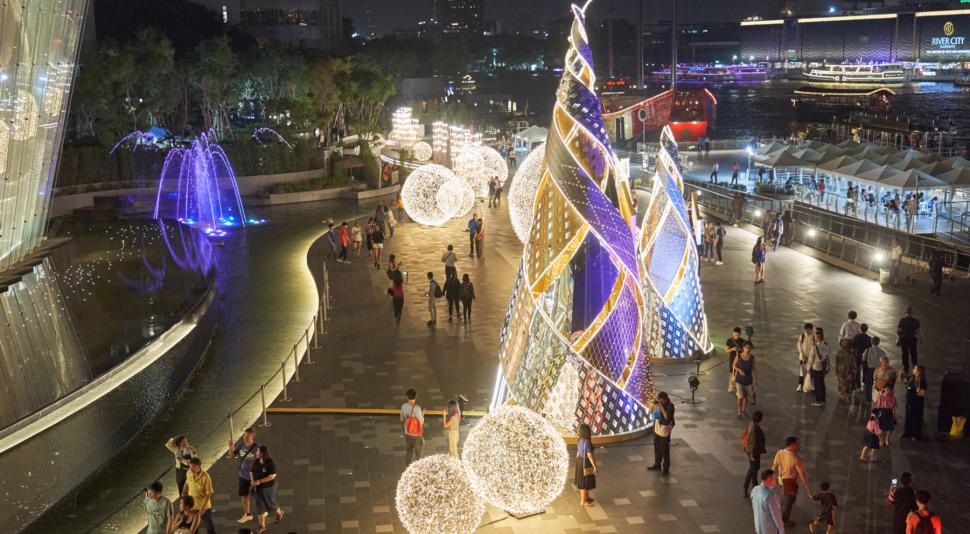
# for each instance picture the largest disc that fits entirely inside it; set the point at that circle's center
(689, 112)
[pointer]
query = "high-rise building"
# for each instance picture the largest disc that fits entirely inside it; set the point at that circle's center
(284, 23)
(461, 18)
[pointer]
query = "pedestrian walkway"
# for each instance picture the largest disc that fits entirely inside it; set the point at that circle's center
(338, 473)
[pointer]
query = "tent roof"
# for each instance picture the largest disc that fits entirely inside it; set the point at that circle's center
(533, 134)
(808, 154)
(857, 167)
(908, 164)
(878, 174)
(837, 162)
(781, 158)
(935, 168)
(771, 147)
(958, 177)
(958, 161)
(912, 179)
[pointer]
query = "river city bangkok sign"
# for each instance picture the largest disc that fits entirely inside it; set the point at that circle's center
(948, 43)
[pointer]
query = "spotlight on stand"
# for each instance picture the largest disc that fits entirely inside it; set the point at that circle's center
(749, 331)
(693, 381)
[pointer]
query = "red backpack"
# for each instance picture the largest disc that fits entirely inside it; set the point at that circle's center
(412, 425)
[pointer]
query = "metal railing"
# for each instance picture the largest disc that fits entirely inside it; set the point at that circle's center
(850, 240)
(275, 386)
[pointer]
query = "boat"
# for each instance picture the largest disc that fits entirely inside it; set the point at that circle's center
(962, 81)
(714, 74)
(690, 112)
(823, 103)
(879, 73)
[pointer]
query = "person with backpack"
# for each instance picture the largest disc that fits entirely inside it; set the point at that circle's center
(923, 521)
(412, 417)
(902, 497)
(467, 295)
(434, 293)
(753, 442)
(818, 366)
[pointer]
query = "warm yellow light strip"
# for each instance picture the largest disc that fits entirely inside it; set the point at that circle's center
(943, 13)
(849, 18)
(761, 22)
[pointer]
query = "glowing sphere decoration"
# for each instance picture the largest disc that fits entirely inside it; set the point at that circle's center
(426, 200)
(516, 461)
(458, 195)
(494, 164)
(522, 193)
(434, 496)
(422, 151)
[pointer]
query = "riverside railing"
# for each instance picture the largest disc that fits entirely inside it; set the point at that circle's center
(276, 386)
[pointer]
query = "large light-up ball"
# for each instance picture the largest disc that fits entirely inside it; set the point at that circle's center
(522, 193)
(457, 193)
(424, 200)
(516, 460)
(434, 496)
(422, 151)
(469, 160)
(494, 164)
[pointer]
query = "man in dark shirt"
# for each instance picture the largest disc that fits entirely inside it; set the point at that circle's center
(903, 500)
(909, 335)
(754, 447)
(860, 343)
(733, 347)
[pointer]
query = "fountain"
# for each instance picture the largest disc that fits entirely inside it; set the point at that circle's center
(201, 184)
(260, 133)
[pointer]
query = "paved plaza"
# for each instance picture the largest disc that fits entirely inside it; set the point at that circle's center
(338, 473)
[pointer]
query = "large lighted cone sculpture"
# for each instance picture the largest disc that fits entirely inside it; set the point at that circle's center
(516, 460)
(434, 496)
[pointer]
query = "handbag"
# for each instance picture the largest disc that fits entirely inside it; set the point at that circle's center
(807, 385)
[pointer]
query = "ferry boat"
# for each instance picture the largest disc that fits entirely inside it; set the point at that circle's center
(712, 74)
(691, 114)
(880, 73)
(823, 103)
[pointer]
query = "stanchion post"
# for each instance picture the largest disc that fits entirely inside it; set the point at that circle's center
(296, 365)
(286, 397)
(316, 341)
(262, 398)
(232, 428)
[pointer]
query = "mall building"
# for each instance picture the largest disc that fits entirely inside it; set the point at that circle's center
(936, 37)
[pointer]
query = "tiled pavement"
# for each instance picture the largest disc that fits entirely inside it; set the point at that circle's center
(338, 473)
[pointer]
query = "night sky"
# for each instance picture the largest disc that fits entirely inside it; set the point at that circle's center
(389, 15)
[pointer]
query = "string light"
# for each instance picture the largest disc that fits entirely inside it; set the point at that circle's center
(494, 164)
(425, 200)
(470, 167)
(4, 141)
(458, 189)
(422, 151)
(434, 496)
(522, 193)
(516, 460)
(24, 116)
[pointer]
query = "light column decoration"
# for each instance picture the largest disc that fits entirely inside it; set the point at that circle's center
(400, 124)
(439, 142)
(573, 325)
(677, 324)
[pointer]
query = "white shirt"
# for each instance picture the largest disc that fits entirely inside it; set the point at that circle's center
(896, 253)
(819, 355)
(849, 330)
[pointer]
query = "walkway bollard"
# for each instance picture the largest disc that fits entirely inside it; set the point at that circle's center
(286, 397)
(262, 398)
(316, 342)
(296, 365)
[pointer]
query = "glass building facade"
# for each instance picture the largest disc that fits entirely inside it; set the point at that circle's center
(38, 51)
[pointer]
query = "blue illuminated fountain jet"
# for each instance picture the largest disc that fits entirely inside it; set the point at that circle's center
(198, 187)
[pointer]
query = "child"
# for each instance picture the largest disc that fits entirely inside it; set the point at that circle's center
(826, 500)
(870, 440)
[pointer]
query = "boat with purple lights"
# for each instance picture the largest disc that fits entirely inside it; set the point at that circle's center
(714, 74)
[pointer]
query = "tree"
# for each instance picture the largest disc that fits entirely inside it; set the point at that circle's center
(215, 79)
(364, 90)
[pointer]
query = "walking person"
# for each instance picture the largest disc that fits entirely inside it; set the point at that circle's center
(451, 420)
(368, 232)
(870, 439)
(708, 237)
(467, 295)
(377, 242)
(805, 346)
(662, 413)
(434, 293)
(754, 446)
(745, 379)
(396, 292)
(498, 193)
(198, 485)
(491, 191)
(735, 172)
(719, 233)
(334, 244)
(449, 258)
(263, 476)
(344, 237)
(790, 469)
(157, 508)
(480, 238)
(885, 410)
(379, 219)
(860, 343)
(818, 366)
(779, 231)
(871, 359)
(585, 474)
(472, 234)
(850, 328)
(759, 254)
(733, 346)
(882, 377)
(244, 449)
(713, 177)
(399, 203)
(391, 221)
(936, 263)
(909, 334)
(786, 223)
(915, 403)
(767, 506)
(356, 238)
(412, 417)
(923, 520)
(895, 261)
(187, 520)
(452, 291)
(902, 497)
(844, 372)
(179, 446)
(829, 505)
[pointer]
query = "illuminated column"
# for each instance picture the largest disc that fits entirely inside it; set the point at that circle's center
(572, 344)
(439, 141)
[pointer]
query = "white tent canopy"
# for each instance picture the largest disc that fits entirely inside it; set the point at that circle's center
(530, 137)
(956, 177)
(912, 180)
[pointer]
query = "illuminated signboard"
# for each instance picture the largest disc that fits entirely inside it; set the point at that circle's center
(944, 38)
